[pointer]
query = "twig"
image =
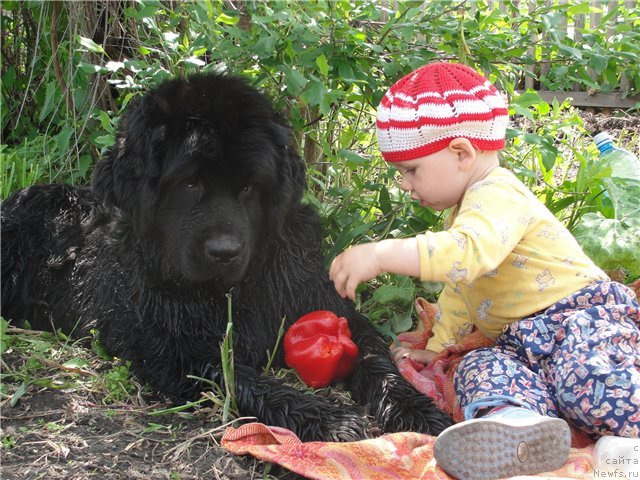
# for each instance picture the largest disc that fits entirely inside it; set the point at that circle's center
(55, 45)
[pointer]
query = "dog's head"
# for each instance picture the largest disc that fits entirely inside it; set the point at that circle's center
(205, 172)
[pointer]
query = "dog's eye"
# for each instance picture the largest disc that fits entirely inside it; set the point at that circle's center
(246, 192)
(191, 183)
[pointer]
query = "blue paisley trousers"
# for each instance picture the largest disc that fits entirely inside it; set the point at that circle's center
(579, 360)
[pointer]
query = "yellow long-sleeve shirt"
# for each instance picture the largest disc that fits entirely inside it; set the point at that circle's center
(503, 257)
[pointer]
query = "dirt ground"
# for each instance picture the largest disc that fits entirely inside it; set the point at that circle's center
(614, 124)
(71, 432)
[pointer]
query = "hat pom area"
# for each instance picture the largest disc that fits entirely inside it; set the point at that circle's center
(423, 111)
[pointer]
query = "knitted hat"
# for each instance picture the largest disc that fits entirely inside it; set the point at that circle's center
(422, 112)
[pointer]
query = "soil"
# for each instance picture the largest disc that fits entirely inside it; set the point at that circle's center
(614, 124)
(72, 433)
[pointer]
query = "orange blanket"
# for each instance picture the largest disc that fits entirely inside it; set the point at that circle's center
(394, 456)
(404, 455)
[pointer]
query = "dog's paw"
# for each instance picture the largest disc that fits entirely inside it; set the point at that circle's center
(413, 413)
(348, 426)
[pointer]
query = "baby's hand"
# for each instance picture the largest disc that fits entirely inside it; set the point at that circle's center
(424, 357)
(354, 266)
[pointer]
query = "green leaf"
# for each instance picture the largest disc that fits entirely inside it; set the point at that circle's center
(90, 45)
(265, 45)
(527, 99)
(20, 391)
(321, 61)
(345, 71)
(47, 107)
(352, 157)
(624, 194)
(63, 140)
(97, 347)
(84, 164)
(384, 199)
(105, 121)
(296, 82)
(4, 344)
(583, 7)
(611, 243)
(548, 153)
(400, 322)
(598, 62)
(315, 92)
(393, 294)
(79, 363)
(195, 61)
(105, 140)
(227, 19)
(571, 52)
(522, 103)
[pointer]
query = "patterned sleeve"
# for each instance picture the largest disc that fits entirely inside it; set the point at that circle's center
(493, 218)
(452, 322)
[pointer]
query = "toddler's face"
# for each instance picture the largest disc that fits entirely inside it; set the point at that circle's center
(435, 180)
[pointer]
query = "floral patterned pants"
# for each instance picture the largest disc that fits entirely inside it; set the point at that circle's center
(579, 360)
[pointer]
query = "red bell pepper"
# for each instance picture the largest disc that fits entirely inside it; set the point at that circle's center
(319, 347)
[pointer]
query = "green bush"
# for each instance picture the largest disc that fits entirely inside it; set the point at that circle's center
(69, 68)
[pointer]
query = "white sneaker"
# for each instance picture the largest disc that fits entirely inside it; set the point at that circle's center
(511, 441)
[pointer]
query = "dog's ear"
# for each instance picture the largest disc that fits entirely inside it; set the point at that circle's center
(119, 178)
(291, 176)
(115, 176)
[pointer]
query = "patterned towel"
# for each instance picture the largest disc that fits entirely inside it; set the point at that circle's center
(394, 456)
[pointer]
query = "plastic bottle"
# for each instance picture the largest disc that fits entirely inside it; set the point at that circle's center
(624, 164)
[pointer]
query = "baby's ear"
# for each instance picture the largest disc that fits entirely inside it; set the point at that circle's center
(465, 150)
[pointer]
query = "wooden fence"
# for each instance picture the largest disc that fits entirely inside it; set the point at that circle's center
(574, 28)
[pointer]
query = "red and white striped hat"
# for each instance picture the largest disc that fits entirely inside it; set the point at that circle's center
(422, 112)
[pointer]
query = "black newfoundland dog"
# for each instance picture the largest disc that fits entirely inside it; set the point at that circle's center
(199, 196)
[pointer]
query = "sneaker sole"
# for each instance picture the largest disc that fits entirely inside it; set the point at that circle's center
(490, 449)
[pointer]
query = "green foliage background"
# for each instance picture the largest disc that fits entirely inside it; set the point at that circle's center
(70, 68)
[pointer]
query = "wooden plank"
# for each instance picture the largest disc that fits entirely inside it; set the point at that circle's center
(583, 99)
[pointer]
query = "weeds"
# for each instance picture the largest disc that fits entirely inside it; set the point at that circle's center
(36, 360)
(271, 356)
(228, 374)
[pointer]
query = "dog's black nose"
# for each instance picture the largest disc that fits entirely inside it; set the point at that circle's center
(222, 249)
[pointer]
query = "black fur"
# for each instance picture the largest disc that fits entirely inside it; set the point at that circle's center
(201, 195)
